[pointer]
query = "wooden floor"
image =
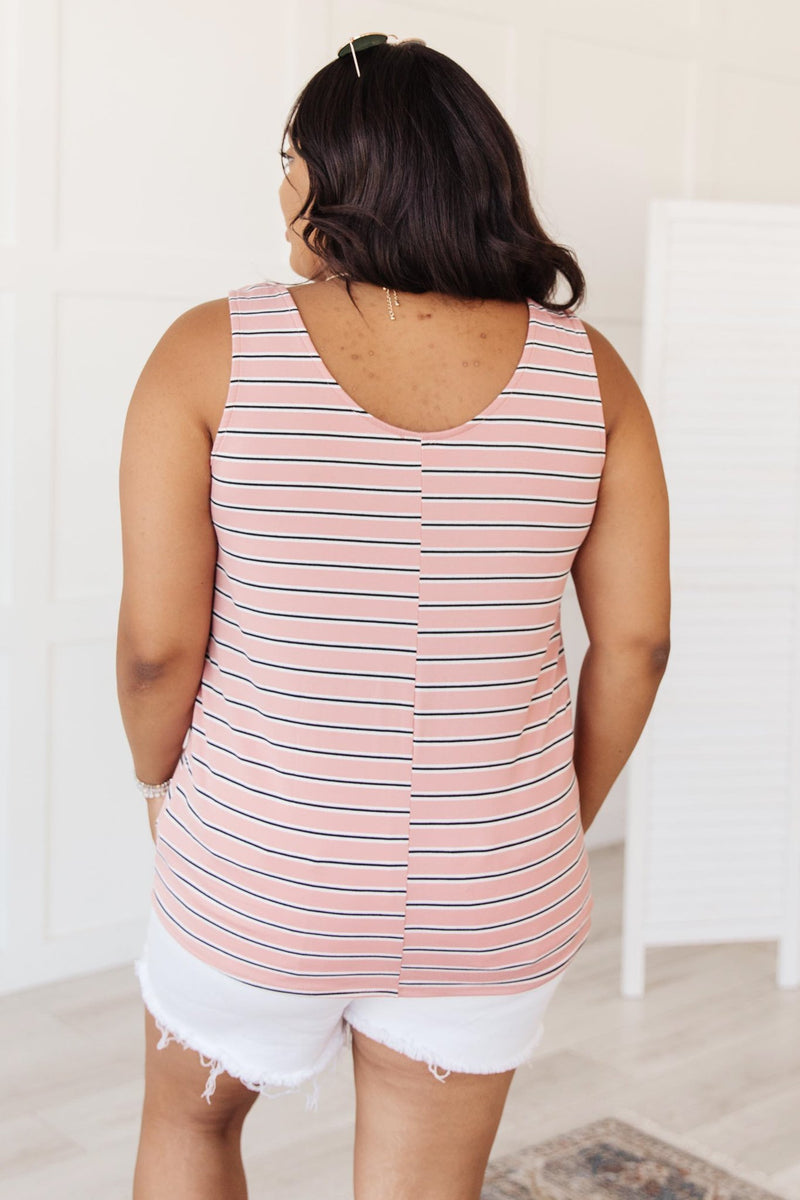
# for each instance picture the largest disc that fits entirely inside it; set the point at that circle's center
(711, 1054)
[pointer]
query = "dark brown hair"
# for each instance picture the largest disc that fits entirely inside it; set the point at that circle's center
(417, 182)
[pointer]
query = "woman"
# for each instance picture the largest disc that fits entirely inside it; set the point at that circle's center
(349, 511)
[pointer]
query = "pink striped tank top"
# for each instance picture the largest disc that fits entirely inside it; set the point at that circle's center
(377, 794)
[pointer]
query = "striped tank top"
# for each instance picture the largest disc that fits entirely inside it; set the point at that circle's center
(376, 794)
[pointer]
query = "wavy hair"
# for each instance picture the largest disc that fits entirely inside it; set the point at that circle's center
(416, 182)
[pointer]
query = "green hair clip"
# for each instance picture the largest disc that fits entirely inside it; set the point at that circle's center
(365, 42)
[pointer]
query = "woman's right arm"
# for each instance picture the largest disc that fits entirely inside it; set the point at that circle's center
(621, 576)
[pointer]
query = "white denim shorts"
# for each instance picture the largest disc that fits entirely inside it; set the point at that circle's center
(269, 1039)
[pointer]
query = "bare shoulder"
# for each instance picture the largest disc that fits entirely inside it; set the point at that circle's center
(620, 393)
(190, 364)
(201, 330)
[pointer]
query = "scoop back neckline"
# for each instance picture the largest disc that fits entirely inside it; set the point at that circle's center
(399, 430)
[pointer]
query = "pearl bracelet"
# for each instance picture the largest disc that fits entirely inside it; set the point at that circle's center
(151, 791)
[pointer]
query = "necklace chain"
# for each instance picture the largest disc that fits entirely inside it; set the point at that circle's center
(392, 300)
(391, 292)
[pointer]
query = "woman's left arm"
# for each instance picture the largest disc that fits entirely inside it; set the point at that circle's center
(169, 546)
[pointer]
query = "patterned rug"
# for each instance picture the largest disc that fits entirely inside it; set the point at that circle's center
(612, 1160)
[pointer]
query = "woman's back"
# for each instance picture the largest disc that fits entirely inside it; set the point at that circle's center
(436, 365)
(440, 363)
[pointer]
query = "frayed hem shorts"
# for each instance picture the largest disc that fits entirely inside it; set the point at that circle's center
(269, 1039)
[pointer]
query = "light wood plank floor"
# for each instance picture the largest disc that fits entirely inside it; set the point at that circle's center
(711, 1054)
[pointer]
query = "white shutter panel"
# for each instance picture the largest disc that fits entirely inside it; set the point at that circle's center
(713, 837)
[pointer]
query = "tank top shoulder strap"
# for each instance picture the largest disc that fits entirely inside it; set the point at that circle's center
(564, 335)
(261, 349)
(259, 308)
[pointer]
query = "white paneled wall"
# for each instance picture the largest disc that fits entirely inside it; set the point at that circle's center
(138, 176)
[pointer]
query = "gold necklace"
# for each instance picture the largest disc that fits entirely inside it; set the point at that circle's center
(389, 293)
(392, 300)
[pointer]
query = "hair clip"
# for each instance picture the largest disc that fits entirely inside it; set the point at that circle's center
(365, 42)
